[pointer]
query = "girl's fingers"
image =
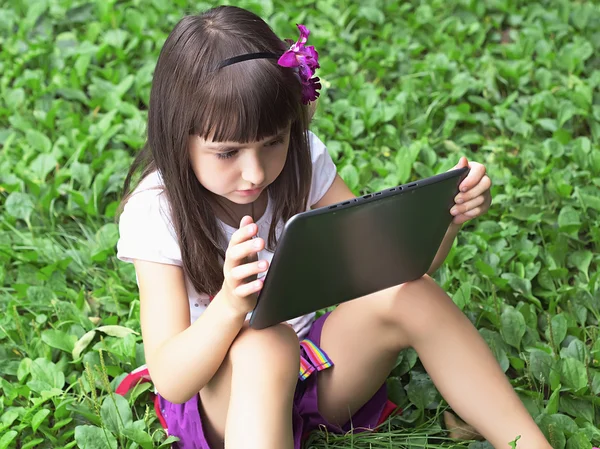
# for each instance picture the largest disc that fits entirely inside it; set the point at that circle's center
(468, 206)
(474, 177)
(484, 184)
(461, 219)
(462, 162)
(236, 255)
(246, 220)
(245, 232)
(242, 272)
(248, 289)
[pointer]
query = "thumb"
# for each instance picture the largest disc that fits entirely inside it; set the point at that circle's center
(463, 162)
(246, 220)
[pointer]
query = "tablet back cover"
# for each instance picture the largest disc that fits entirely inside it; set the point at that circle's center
(338, 253)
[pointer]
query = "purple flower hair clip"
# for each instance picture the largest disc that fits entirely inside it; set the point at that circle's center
(306, 60)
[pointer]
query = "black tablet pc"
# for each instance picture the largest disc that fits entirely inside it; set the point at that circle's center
(347, 250)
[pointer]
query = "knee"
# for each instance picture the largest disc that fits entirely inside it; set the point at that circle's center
(273, 351)
(419, 306)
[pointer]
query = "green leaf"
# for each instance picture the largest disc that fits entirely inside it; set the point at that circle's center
(579, 441)
(24, 369)
(92, 437)
(513, 326)
(7, 438)
(595, 382)
(72, 94)
(19, 205)
(116, 413)
(59, 340)
(40, 295)
(461, 254)
(581, 260)
(80, 14)
(107, 236)
(32, 443)
(42, 165)
(557, 439)
(558, 326)
(580, 16)
(518, 284)
(420, 390)
(405, 159)
(575, 350)
(498, 347)
(462, 297)
(169, 441)
(573, 374)
(81, 173)
(38, 141)
(139, 436)
(116, 331)
(9, 417)
(349, 174)
(540, 363)
(553, 401)
(552, 431)
(590, 202)
(568, 219)
(39, 418)
(565, 423)
(407, 358)
(577, 408)
(396, 391)
(590, 431)
(82, 343)
(14, 98)
(372, 14)
(45, 371)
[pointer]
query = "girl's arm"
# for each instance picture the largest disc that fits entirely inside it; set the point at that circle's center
(473, 201)
(444, 248)
(181, 358)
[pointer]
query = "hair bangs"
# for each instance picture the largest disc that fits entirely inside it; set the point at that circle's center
(247, 102)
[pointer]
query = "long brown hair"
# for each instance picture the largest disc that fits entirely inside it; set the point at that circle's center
(243, 102)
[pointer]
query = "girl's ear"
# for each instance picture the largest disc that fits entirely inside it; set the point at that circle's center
(312, 107)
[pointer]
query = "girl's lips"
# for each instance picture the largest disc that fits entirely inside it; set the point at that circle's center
(249, 192)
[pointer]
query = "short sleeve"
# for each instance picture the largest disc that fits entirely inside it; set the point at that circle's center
(146, 231)
(323, 169)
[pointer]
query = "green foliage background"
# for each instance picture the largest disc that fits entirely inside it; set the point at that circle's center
(408, 88)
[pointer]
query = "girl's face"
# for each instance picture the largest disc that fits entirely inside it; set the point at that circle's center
(239, 172)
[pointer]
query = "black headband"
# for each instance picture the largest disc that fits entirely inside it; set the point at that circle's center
(247, 57)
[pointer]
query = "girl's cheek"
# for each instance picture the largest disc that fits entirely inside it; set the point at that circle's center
(280, 163)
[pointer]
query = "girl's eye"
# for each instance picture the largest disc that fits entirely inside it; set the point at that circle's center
(227, 155)
(275, 142)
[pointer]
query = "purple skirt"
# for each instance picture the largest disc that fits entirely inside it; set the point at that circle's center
(184, 420)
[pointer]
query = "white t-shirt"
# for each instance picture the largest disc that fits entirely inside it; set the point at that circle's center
(147, 233)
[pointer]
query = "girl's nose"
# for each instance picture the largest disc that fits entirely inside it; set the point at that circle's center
(253, 171)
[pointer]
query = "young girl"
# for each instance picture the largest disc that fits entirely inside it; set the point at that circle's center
(229, 159)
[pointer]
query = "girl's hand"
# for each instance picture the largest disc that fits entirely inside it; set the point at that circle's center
(241, 267)
(475, 197)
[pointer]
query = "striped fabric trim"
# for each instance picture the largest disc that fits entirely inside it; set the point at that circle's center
(306, 369)
(319, 359)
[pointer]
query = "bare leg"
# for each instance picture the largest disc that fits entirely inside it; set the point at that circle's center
(248, 403)
(363, 337)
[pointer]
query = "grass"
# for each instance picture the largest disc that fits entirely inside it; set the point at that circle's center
(408, 88)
